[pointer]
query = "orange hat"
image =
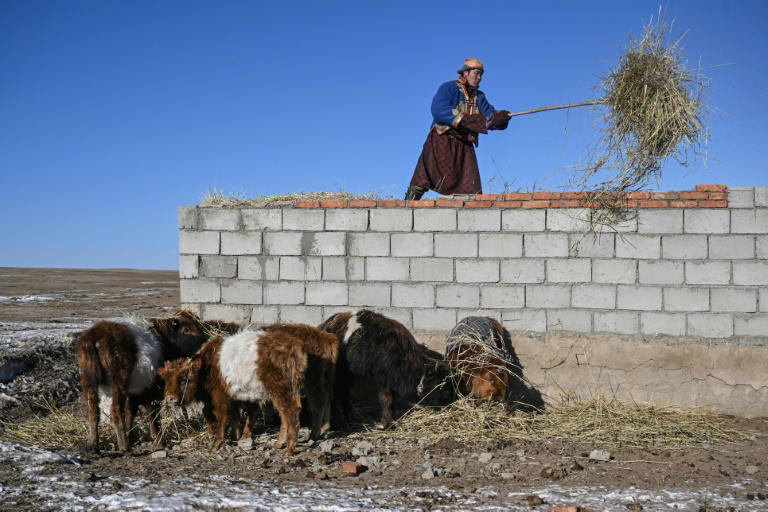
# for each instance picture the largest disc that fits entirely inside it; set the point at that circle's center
(471, 64)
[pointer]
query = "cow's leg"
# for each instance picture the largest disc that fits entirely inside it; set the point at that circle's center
(210, 420)
(91, 395)
(118, 410)
(385, 400)
(154, 424)
(223, 416)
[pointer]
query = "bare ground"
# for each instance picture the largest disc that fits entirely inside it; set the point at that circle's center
(81, 296)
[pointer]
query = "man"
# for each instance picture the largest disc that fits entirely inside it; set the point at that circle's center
(460, 112)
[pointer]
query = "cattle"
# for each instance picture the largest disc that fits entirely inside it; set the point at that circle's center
(121, 358)
(254, 366)
(382, 352)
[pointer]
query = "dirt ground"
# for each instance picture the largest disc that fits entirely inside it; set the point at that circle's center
(86, 295)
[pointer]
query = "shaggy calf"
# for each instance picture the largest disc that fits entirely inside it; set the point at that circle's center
(382, 351)
(254, 366)
(479, 353)
(122, 359)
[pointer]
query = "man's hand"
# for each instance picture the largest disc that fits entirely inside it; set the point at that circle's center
(500, 119)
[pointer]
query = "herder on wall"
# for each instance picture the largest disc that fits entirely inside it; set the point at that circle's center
(460, 112)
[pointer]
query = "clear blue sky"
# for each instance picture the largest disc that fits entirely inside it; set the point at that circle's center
(113, 113)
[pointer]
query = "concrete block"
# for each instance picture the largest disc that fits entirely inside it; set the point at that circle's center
(282, 243)
(686, 299)
(568, 219)
(571, 320)
(218, 266)
(283, 293)
(761, 197)
(434, 220)
(710, 325)
(329, 311)
(368, 244)
(434, 319)
(386, 269)
(239, 244)
(762, 295)
(227, 313)
(750, 221)
(751, 325)
(642, 298)
(661, 272)
(370, 295)
(300, 268)
(265, 315)
(413, 295)
(391, 220)
(195, 308)
(707, 272)
(189, 266)
(498, 245)
(522, 271)
(706, 220)
(505, 297)
(547, 245)
(187, 217)
(310, 315)
(741, 197)
(458, 296)
(617, 271)
(684, 247)
(300, 219)
(324, 244)
(592, 246)
(671, 324)
(742, 300)
(731, 247)
(355, 269)
(431, 269)
(451, 245)
(762, 247)
(326, 294)
(638, 246)
(412, 244)
(346, 219)
(199, 290)
(258, 267)
(267, 219)
(241, 292)
(402, 315)
(619, 322)
(597, 296)
(576, 270)
(219, 219)
(198, 242)
(660, 221)
(750, 273)
(523, 220)
(461, 314)
(479, 220)
(334, 269)
(477, 271)
(547, 296)
(525, 320)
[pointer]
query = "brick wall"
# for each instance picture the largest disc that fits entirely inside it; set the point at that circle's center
(690, 264)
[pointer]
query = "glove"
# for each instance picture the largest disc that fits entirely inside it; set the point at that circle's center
(499, 120)
(474, 123)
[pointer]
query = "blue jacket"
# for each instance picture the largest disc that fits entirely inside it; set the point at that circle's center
(452, 101)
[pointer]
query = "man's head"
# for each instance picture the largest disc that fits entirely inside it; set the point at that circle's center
(472, 72)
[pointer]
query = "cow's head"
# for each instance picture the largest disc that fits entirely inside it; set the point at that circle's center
(489, 383)
(184, 331)
(181, 380)
(434, 387)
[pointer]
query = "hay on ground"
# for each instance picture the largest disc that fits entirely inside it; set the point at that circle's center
(221, 199)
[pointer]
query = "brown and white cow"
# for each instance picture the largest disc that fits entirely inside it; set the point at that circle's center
(478, 351)
(254, 366)
(383, 352)
(121, 358)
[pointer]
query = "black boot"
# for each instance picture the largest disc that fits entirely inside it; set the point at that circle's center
(414, 193)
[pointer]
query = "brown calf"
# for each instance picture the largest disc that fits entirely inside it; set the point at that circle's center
(251, 367)
(122, 359)
(477, 351)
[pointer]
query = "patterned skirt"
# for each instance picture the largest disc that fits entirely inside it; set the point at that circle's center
(447, 165)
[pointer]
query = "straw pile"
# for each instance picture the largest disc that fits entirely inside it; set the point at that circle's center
(595, 421)
(221, 199)
(654, 111)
